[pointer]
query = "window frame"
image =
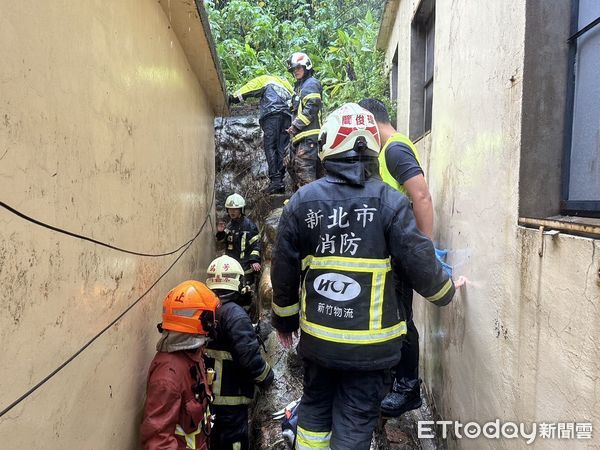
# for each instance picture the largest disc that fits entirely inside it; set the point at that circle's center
(421, 111)
(590, 208)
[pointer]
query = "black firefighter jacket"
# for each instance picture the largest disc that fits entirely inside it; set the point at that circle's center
(347, 241)
(242, 242)
(306, 109)
(235, 356)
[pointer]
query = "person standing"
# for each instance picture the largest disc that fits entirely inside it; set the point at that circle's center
(400, 168)
(274, 118)
(345, 241)
(176, 412)
(235, 357)
(241, 239)
(306, 120)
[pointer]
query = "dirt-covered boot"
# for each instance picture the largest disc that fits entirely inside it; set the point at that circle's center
(405, 396)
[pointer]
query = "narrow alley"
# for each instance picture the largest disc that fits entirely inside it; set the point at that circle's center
(409, 191)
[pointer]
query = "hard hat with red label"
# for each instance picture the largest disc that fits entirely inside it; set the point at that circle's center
(225, 273)
(349, 131)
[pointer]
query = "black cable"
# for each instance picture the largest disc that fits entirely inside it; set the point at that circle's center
(85, 238)
(78, 352)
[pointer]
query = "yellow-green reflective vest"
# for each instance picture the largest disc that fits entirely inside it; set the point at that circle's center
(386, 176)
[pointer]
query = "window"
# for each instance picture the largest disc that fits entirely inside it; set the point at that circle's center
(394, 78)
(422, 64)
(581, 165)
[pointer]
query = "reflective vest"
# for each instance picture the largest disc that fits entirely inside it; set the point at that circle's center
(386, 176)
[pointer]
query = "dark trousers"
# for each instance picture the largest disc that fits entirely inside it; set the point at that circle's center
(275, 142)
(304, 163)
(344, 403)
(408, 367)
(230, 428)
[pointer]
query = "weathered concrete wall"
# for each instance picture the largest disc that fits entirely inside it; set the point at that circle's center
(105, 131)
(522, 341)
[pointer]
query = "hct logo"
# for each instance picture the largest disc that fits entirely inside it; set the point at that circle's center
(337, 287)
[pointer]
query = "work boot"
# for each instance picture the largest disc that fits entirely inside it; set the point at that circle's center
(405, 396)
(275, 188)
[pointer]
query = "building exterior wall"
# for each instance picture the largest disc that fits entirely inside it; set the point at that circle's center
(105, 131)
(522, 341)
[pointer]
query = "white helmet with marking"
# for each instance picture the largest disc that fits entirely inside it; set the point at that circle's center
(349, 131)
(299, 59)
(225, 273)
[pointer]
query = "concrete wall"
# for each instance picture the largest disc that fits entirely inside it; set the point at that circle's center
(106, 131)
(522, 341)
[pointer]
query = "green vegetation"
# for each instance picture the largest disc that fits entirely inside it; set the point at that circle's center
(256, 37)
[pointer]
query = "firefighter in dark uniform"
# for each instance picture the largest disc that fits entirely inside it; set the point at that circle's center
(235, 357)
(274, 118)
(346, 240)
(303, 164)
(242, 241)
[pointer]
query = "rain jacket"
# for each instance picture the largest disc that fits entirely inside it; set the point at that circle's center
(275, 94)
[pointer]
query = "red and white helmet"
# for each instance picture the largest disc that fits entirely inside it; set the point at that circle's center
(344, 127)
(299, 59)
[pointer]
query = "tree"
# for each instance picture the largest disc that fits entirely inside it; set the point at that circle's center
(256, 37)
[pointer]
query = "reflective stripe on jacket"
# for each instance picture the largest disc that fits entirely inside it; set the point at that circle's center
(348, 247)
(235, 356)
(242, 241)
(384, 171)
(306, 109)
(275, 94)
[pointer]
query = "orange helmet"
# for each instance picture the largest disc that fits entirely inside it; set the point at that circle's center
(190, 308)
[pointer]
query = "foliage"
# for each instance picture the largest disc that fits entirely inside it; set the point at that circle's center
(256, 37)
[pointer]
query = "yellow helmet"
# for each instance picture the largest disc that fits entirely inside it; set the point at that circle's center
(225, 273)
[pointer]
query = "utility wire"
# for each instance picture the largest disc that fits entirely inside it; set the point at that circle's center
(85, 238)
(187, 245)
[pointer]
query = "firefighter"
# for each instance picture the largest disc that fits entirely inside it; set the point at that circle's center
(345, 241)
(235, 357)
(303, 163)
(400, 167)
(274, 118)
(242, 241)
(176, 414)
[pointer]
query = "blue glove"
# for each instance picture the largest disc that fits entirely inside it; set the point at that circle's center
(440, 254)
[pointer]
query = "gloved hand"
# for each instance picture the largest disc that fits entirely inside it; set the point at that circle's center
(440, 254)
(292, 131)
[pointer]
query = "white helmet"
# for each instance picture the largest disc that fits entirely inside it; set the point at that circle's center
(235, 201)
(344, 127)
(225, 273)
(299, 59)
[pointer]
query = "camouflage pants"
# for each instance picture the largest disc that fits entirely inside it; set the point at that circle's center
(303, 163)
